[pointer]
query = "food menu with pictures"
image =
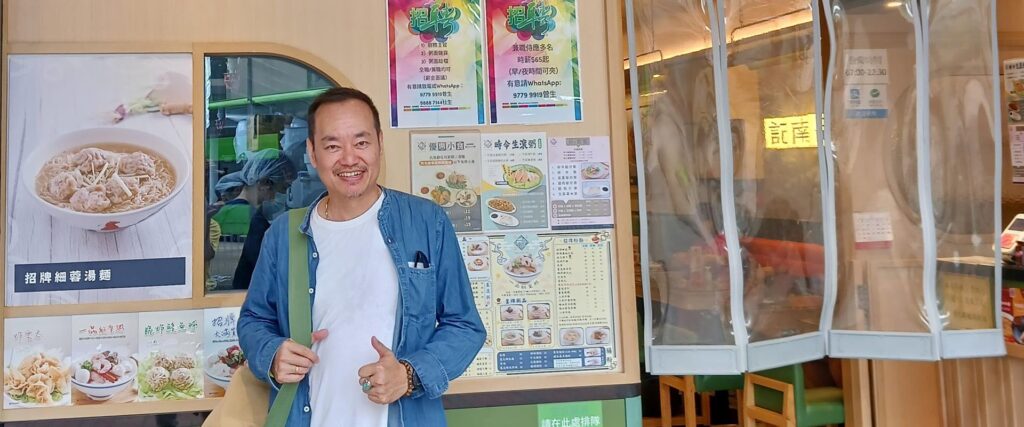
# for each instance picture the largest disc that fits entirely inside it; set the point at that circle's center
(546, 301)
(170, 352)
(446, 169)
(104, 348)
(221, 351)
(580, 182)
(514, 192)
(37, 360)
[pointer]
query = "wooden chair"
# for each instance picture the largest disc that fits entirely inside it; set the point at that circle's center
(690, 386)
(778, 397)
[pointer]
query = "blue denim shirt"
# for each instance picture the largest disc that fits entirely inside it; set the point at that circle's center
(437, 327)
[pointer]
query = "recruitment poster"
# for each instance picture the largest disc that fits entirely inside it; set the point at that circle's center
(436, 53)
(99, 200)
(533, 61)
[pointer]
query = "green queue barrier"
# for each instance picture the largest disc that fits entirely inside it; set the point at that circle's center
(601, 413)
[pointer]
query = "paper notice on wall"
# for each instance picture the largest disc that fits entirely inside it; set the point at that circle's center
(1016, 136)
(866, 74)
(1013, 70)
(872, 230)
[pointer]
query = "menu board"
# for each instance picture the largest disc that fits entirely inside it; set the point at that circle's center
(103, 358)
(33, 346)
(514, 189)
(446, 169)
(581, 182)
(222, 353)
(170, 351)
(546, 301)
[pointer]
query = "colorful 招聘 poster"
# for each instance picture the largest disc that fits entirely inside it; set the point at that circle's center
(170, 355)
(32, 346)
(580, 182)
(99, 194)
(514, 188)
(222, 353)
(436, 57)
(446, 169)
(1013, 70)
(533, 61)
(103, 358)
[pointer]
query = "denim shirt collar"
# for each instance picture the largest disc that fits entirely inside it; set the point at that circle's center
(304, 227)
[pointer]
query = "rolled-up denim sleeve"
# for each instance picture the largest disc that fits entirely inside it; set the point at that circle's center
(460, 333)
(259, 332)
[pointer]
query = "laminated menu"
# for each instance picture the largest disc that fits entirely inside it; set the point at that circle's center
(446, 169)
(550, 307)
(170, 355)
(514, 192)
(37, 362)
(221, 350)
(104, 362)
(581, 182)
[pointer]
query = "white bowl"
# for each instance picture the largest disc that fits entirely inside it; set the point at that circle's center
(102, 392)
(175, 156)
(527, 278)
(221, 382)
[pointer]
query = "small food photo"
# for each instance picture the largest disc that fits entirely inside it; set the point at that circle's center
(442, 196)
(477, 263)
(540, 336)
(592, 352)
(457, 181)
(598, 335)
(103, 375)
(597, 189)
(501, 205)
(512, 337)
(476, 249)
(523, 269)
(465, 198)
(504, 220)
(221, 366)
(593, 361)
(165, 376)
(539, 311)
(37, 362)
(522, 177)
(595, 170)
(571, 337)
(511, 312)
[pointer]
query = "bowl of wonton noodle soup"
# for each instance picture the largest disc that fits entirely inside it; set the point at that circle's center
(105, 179)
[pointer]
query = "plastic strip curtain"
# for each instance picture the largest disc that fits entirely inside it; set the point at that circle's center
(693, 299)
(915, 231)
(965, 168)
(774, 95)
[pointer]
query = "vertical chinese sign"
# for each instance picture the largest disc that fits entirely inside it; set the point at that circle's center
(436, 58)
(533, 61)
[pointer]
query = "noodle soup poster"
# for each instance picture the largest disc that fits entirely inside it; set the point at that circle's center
(98, 173)
(221, 353)
(37, 362)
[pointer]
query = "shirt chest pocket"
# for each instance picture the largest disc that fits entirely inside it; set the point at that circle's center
(420, 294)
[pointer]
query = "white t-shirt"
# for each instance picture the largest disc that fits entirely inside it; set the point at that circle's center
(356, 298)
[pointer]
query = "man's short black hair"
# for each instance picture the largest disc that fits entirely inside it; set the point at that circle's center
(340, 94)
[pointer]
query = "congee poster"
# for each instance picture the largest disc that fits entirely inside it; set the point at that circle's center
(99, 207)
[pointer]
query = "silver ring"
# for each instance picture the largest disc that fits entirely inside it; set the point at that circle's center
(365, 382)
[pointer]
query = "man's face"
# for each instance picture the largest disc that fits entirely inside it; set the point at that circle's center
(346, 148)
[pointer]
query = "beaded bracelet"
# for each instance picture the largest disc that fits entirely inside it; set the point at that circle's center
(408, 377)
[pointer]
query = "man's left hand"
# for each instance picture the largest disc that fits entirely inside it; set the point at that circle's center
(388, 378)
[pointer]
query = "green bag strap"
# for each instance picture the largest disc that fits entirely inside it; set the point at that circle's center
(300, 318)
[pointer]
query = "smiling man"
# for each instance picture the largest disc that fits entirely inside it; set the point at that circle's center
(393, 312)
